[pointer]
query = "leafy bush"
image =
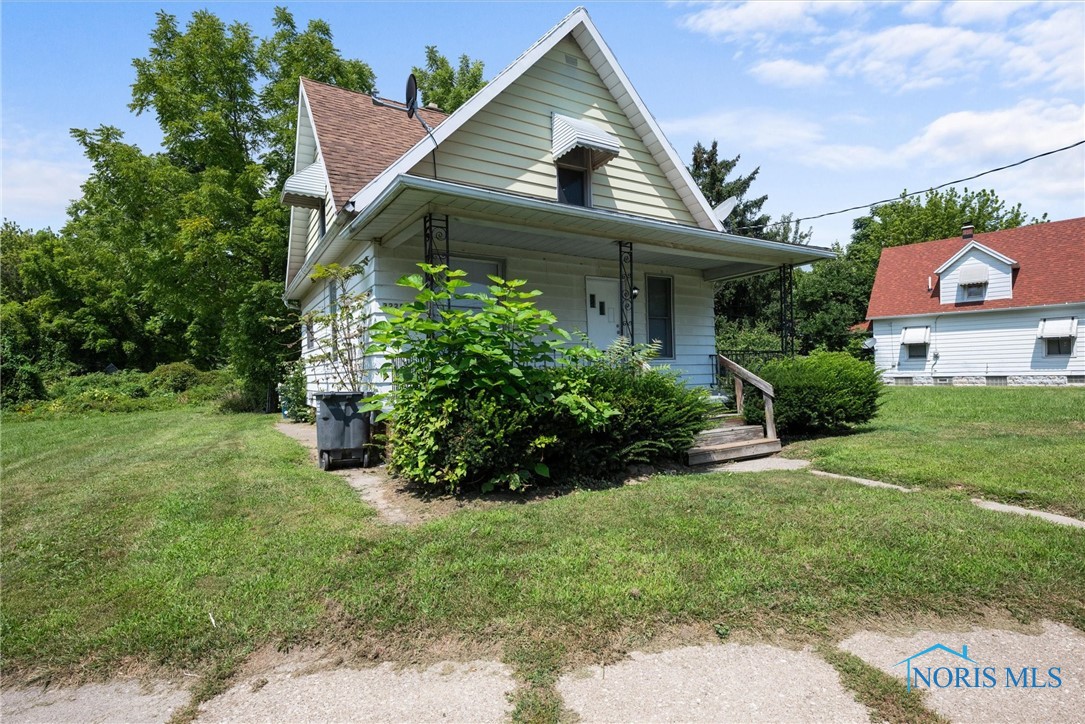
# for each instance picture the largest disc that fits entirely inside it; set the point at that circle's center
(825, 392)
(20, 380)
(176, 377)
(293, 392)
(494, 397)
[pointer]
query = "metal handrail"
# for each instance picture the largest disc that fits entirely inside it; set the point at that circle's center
(740, 374)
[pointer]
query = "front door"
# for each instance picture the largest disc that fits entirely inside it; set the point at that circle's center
(604, 318)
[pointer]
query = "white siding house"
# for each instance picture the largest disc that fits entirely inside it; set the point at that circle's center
(1001, 308)
(554, 172)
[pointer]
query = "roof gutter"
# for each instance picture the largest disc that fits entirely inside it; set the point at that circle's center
(1053, 305)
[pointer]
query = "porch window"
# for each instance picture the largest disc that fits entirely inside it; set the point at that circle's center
(478, 273)
(660, 302)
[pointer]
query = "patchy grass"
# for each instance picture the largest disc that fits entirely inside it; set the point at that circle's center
(125, 535)
(1022, 445)
(887, 698)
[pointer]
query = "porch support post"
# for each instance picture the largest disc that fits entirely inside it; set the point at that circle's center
(625, 289)
(787, 310)
(435, 237)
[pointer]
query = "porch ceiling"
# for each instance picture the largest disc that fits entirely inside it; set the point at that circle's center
(505, 220)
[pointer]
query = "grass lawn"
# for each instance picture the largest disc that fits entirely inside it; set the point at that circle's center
(1023, 445)
(125, 534)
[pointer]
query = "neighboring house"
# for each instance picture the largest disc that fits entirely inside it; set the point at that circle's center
(554, 172)
(984, 309)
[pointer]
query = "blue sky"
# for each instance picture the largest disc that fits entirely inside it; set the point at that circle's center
(838, 103)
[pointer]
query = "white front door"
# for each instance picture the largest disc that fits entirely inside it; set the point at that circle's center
(603, 315)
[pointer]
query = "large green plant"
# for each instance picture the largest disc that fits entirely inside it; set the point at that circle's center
(825, 392)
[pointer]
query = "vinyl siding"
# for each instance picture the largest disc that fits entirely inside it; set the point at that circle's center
(507, 144)
(561, 280)
(999, 279)
(978, 344)
(321, 376)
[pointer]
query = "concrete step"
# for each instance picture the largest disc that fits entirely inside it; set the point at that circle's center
(729, 433)
(740, 450)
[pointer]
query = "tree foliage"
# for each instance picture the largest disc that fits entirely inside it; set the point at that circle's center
(448, 87)
(834, 295)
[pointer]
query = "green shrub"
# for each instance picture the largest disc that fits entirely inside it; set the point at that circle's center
(492, 397)
(176, 377)
(293, 392)
(825, 392)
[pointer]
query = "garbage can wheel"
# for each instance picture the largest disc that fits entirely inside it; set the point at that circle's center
(325, 460)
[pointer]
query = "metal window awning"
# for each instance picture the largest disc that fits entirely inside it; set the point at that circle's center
(307, 187)
(916, 335)
(571, 133)
(1056, 328)
(973, 276)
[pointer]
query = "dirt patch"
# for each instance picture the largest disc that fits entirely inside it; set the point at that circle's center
(399, 503)
(119, 700)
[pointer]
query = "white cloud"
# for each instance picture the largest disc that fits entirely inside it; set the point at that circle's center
(981, 12)
(1050, 51)
(915, 56)
(920, 9)
(789, 73)
(748, 128)
(42, 173)
(759, 20)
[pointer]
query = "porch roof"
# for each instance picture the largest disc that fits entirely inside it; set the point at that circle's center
(510, 221)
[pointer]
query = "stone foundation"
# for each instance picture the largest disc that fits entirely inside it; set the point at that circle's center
(980, 381)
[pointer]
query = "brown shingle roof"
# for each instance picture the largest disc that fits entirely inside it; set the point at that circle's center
(357, 139)
(1052, 270)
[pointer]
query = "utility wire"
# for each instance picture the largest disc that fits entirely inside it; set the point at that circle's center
(872, 204)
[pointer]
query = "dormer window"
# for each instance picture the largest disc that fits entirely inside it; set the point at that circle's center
(973, 280)
(574, 178)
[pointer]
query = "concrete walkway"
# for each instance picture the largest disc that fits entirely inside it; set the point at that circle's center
(710, 682)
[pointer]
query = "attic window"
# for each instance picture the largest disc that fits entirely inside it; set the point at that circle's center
(569, 134)
(307, 187)
(574, 178)
(973, 280)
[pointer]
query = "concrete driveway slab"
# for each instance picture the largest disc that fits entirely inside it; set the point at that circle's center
(114, 701)
(981, 690)
(729, 682)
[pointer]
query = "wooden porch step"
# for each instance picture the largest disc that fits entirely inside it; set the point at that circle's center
(729, 433)
(739, 450)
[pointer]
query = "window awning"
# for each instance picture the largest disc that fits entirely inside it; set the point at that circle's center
(307, 187)
(971, 276)
(570, 133)
(1056, 328)
(916, 335)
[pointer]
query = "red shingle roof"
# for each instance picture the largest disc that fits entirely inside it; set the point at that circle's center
(358, 140)
(1052, 270)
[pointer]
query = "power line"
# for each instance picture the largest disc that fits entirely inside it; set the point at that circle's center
(914, 193)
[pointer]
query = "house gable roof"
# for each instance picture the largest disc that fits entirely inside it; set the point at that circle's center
(1051, 259)
(975, 246)
(579, 27)
(356, 139)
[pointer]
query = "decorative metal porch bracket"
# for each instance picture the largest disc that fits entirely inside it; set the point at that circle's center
(787, 310)
(625, 289)
(435, 237)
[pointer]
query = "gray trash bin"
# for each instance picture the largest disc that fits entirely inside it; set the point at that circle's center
(343, 433)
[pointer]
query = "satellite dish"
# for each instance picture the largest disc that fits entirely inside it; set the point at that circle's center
(724, 209)
(412, 96)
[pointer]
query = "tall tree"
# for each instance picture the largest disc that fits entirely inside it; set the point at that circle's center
(834, 295)
(746, 309)
(448, 87)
